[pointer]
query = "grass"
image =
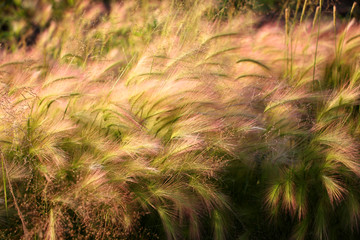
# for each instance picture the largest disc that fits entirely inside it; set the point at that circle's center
(180, 120)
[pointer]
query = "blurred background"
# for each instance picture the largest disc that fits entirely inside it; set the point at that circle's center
(21, 21)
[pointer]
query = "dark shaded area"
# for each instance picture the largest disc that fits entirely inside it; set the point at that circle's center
(274, 9)
(16, 11)
(31, 40)
(343, 7)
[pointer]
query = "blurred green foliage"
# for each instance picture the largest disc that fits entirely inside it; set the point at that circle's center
(22, 20)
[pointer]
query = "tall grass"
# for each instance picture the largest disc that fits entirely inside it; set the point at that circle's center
(165, 120)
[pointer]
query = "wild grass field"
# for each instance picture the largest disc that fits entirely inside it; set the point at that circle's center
(186, 119)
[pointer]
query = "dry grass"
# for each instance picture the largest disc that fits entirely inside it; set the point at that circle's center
(165, 124)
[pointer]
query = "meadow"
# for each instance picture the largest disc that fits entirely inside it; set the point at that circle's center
(186, 119)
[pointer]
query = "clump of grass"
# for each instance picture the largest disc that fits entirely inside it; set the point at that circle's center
(181, 127)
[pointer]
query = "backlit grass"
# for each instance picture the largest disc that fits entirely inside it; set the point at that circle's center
(181, 120)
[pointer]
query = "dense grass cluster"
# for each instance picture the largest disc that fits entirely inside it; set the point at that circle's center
(173, 120)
